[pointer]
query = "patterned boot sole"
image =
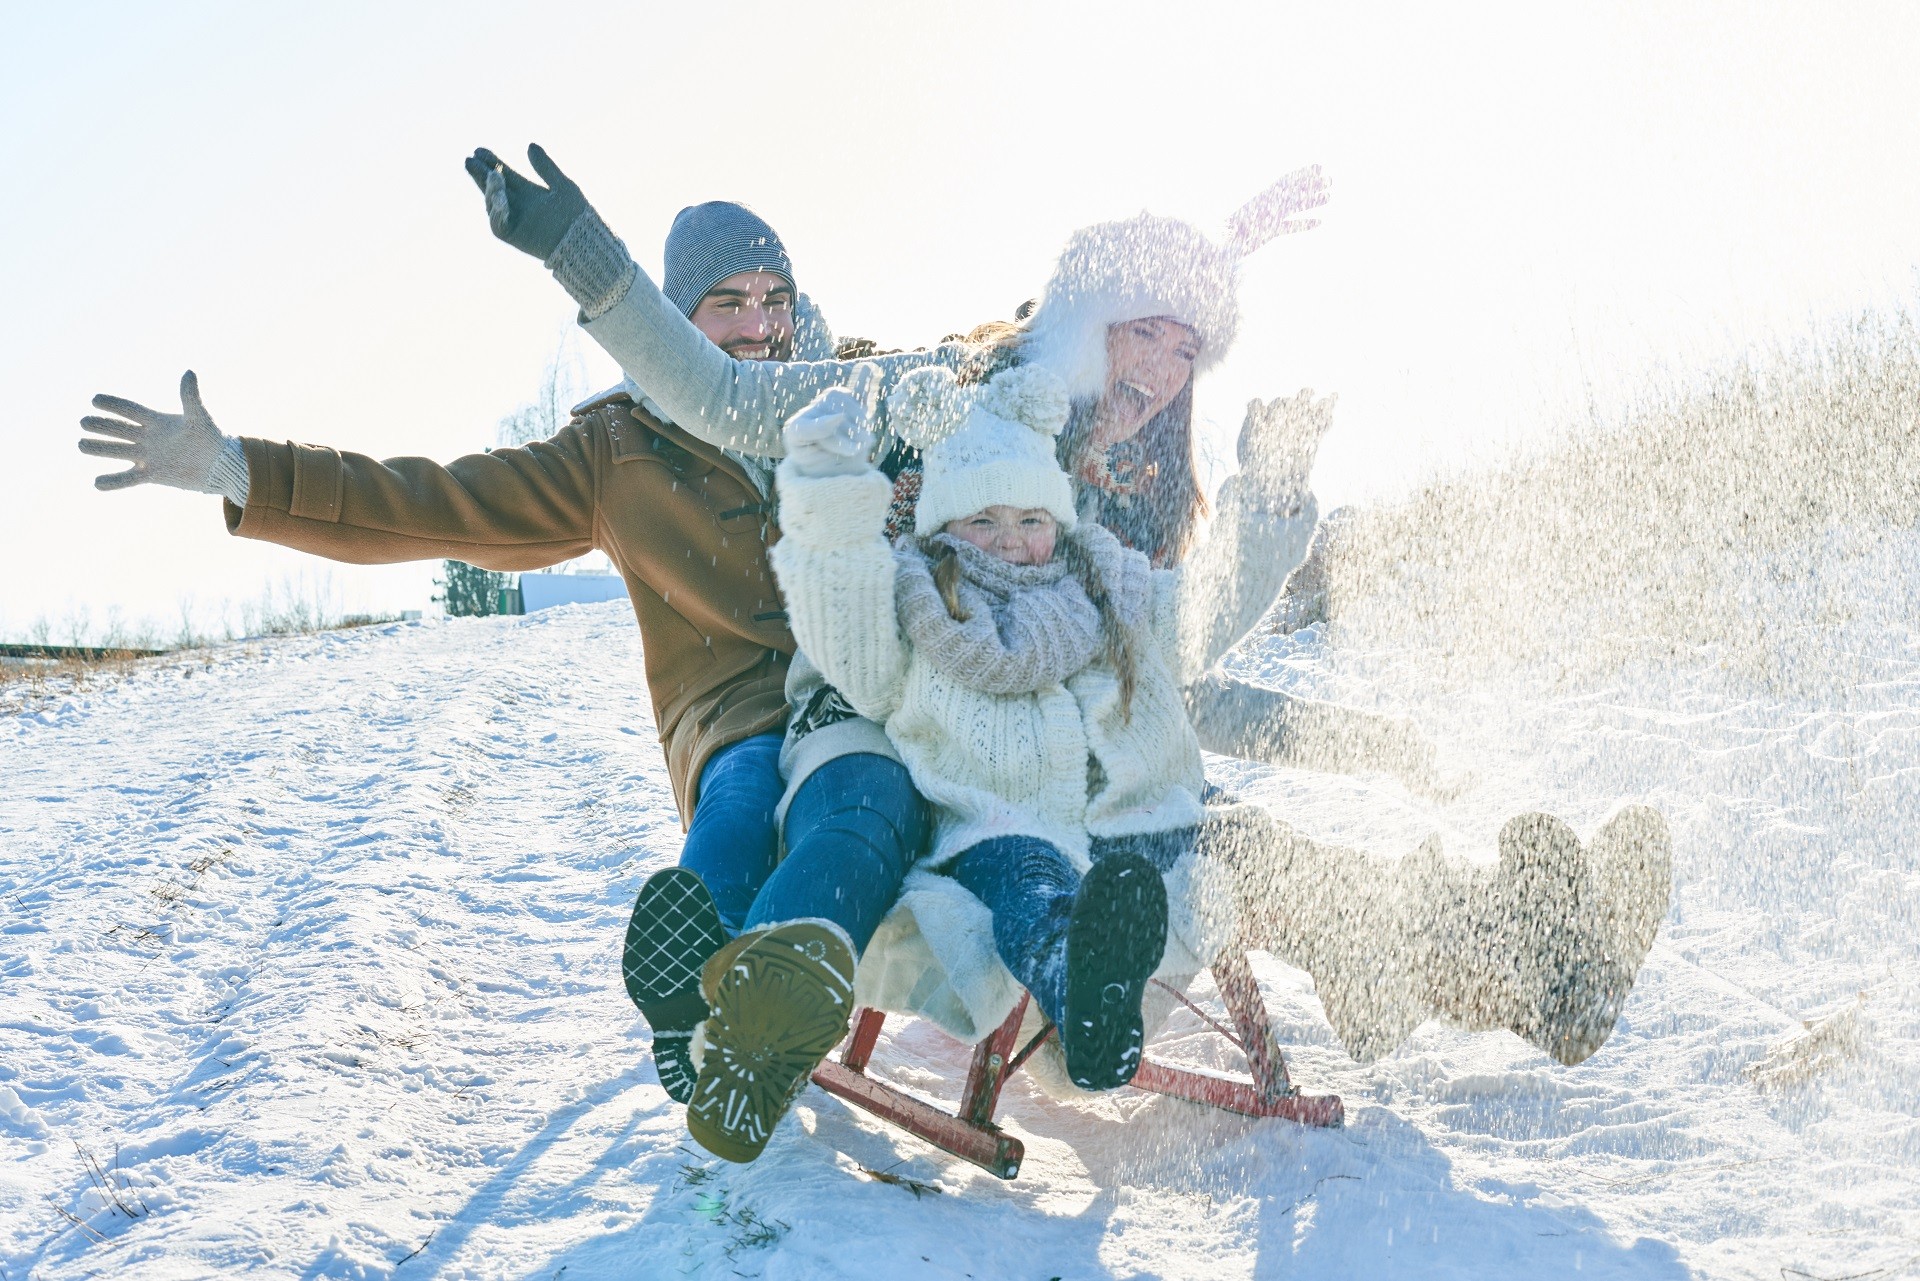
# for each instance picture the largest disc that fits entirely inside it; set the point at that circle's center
(673, 931)
(673, 1060)
(779, 1009)
(720, 962)
(1114, 942)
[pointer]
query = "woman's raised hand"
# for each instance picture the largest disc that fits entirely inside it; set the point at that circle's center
(183, 450)
(555, 224)
(1272, 212)
(1279, 441)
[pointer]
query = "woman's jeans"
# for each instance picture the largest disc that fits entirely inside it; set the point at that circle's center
(1029, 886)
(853, 829)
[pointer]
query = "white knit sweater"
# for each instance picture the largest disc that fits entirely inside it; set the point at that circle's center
(1061, 764)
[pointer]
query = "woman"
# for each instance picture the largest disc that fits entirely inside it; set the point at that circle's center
(1545, 942)
(1547, 909)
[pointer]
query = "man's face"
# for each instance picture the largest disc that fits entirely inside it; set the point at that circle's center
(749, 315)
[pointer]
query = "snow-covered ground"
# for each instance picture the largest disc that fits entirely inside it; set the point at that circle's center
(308, 968)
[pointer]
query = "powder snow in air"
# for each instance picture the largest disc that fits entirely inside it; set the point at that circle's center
(309, 947)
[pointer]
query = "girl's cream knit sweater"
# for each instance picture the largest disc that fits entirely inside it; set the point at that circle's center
(1061, 764)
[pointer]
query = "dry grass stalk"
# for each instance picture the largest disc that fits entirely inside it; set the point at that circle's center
(116, 1192)
(1698, 522)
(1821, 1046)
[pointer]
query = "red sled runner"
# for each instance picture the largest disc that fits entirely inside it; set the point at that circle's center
(970, 1133)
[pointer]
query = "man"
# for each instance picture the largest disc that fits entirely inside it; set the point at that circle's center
(687, 526)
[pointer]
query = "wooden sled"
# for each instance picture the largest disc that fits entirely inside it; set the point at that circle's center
(970, 1134)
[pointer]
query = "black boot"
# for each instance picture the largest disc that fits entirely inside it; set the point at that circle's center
(674, 929)
(1115, 938)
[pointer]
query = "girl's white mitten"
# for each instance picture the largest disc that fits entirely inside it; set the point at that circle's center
(834, 435)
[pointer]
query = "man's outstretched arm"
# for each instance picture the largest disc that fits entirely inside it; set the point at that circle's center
(734, 404)
(182, 451)
(512, 509)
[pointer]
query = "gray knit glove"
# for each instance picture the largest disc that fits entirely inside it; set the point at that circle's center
(555, 224)
(1278, 443)
(184, 450)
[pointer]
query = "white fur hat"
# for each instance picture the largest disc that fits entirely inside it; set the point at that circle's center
(993, 445)
(1117, 271)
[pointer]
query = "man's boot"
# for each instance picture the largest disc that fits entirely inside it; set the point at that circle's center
(780, 1004)
(674, 930)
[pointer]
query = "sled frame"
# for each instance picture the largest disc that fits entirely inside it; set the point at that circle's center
(969, 1131)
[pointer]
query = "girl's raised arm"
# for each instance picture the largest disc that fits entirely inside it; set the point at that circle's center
(834, 565)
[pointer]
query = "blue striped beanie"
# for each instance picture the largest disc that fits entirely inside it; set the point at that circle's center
(710, 242)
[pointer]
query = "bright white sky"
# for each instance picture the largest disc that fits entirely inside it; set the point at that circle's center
(1528, 203)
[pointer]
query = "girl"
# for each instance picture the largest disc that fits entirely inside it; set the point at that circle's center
(1027, 668)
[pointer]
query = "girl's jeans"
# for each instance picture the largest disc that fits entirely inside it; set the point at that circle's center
(1029, 887)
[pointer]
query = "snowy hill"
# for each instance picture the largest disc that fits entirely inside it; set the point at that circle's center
(308, 968)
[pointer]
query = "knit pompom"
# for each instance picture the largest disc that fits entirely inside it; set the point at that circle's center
(927, 406)
(1028, 394)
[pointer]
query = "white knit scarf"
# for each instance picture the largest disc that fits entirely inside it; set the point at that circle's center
(1028, 626)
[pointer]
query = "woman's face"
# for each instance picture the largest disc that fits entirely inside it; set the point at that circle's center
(1017, 535)
(1149, 362)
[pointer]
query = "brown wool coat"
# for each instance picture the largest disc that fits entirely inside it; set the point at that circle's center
(680, 521)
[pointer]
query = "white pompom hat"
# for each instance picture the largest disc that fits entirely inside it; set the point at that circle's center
(986, 446)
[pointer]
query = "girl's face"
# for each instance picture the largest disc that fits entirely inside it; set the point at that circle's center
(1149, 362)
(1019, 536)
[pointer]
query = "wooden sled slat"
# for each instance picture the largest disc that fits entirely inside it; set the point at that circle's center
(1241, 991)
(986, 1146)
(970, 1135)
(969, 1132)
(1198, 1086)
(1269, 1093)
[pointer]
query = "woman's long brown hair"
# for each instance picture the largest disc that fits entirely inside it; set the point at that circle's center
(1161, 517)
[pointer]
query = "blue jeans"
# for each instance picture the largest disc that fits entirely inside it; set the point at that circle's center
(1029, 886)
(854, 827)
(732, 843)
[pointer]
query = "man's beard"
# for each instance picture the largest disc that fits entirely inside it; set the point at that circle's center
(778, 348)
